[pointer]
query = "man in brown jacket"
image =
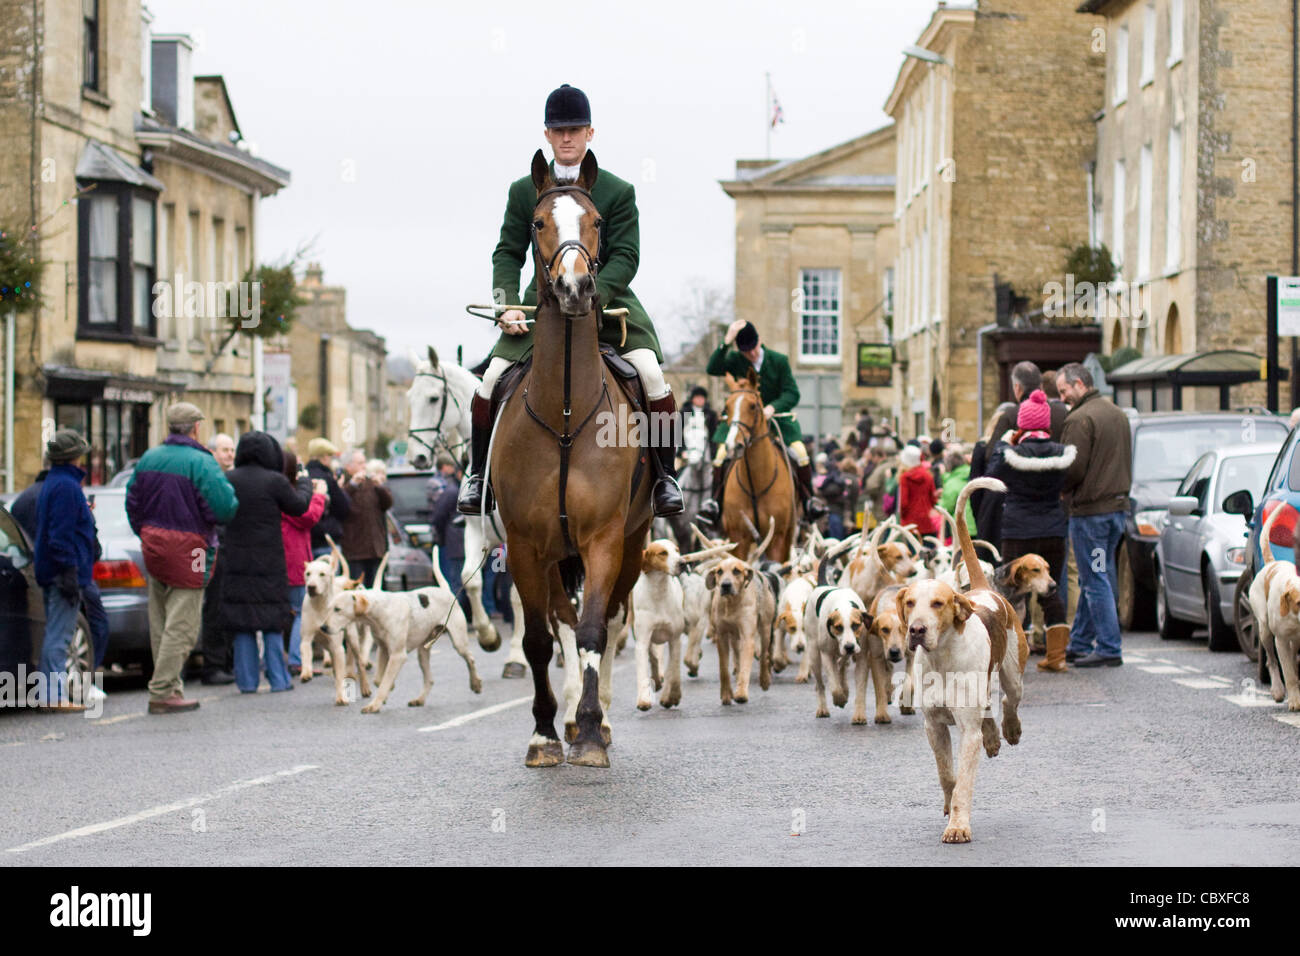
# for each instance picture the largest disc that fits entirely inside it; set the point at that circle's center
(1025, 378)
(1097, 490)
(365, 531)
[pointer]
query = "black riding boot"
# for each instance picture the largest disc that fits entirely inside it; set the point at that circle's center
(667, 496)
(711, 511)
(470, 499)
(813, 507)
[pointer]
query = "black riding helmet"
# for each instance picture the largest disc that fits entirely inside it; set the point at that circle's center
(567, 106)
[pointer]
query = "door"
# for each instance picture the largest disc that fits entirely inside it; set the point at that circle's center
(22, 608)
(1180, 541)
(821, 406)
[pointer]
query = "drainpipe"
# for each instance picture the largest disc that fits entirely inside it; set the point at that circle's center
(10, 321)
(1295, 183)
(979, 368)
(259, 403)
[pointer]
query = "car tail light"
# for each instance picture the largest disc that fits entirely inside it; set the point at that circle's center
(118, 574)
(1283, 533)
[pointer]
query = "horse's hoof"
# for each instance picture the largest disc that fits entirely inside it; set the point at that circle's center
(549, 754)
(605, 736)
(692, 672)
(588, 753)
(514, 669)
(778, 666)
(570, 733)
(490, 641)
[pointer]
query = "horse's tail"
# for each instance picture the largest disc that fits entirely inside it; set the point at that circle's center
(572, 573)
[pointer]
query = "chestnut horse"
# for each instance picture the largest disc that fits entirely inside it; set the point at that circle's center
(760, 485)
(560, 491)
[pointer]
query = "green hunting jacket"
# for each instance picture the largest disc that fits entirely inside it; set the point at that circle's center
(615, 199)
(776, 386)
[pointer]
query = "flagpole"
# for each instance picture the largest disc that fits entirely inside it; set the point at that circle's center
(767, 108)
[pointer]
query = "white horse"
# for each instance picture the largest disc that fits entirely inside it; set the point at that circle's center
(439, 403)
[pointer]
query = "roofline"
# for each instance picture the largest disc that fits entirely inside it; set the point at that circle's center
(763, 181)
(255, 173)
(942, 17)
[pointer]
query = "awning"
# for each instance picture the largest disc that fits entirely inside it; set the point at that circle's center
(99, 162)
(1218, 368)
(69, 384)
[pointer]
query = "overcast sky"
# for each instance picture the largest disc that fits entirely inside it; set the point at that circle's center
(432, 109)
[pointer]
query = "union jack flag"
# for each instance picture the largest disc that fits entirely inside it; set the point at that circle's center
(778, 115)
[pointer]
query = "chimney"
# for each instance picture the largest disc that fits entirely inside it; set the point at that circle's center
(173, 79)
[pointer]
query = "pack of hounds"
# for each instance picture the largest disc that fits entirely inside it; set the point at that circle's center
(873, 601)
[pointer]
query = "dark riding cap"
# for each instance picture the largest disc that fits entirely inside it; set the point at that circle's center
(747, 337)
(567, 106)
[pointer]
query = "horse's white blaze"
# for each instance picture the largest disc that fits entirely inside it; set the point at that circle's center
(567, 215)
(731, 435)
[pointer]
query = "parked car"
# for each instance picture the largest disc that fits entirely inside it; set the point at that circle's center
(1165, 445)
(409, 567)
(22, 609)
(411, 503)
(1281, 489)
(1202, 548)
(122, 579)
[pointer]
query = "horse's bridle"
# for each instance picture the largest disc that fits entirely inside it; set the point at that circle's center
(447, 397)
(546, 265)
(745, 426)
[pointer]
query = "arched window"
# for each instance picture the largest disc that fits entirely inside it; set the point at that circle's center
(1173, 331)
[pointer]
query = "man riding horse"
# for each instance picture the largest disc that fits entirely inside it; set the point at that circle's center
(779, 392)
(568, 130)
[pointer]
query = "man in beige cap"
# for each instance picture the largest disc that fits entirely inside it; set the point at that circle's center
(174, 501)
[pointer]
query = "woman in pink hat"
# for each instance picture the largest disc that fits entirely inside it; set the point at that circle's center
(1033, 467)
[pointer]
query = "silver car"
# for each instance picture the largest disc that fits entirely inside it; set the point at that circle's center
(1202, 549)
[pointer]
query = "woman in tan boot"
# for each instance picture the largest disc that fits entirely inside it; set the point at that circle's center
(1033, 467)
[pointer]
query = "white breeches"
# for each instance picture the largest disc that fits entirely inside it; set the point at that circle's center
(797, 447)
(643, 360)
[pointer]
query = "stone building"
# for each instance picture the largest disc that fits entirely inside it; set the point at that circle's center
(1196, 175)
(815, 257)
(102, 163)
(340, 373)
(995, 141)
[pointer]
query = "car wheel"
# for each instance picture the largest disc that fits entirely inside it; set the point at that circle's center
(1221, 638)
(1169, 627)
(1247, 634)
(1133, 603)
(81, 652)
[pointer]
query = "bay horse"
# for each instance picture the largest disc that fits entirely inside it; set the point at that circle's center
(760, 484)
(561, 492)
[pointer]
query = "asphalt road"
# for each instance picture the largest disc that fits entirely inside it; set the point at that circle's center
(1162, 761)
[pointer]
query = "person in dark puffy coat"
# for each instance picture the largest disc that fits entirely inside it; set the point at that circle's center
(1033, 468)
(255, 587)
(339, 505)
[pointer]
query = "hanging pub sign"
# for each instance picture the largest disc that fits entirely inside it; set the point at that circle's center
(875, 365)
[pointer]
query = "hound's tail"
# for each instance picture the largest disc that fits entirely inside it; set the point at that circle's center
(1266, 546)
(379, 573)
(437, 569)
(973, 569)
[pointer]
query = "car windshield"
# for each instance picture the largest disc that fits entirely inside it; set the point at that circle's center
(1246, 473)
(410, 494)
(1165, 451)
(110, 515)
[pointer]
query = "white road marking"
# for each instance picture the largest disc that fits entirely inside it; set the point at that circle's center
(1288, 718)
(1203, 683)
(163, 809)
(1135, 658)
(105, 721)
(1170, 669)
(1250, 699)
(475, 715)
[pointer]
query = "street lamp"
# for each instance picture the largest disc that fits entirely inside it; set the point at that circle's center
(921, 53)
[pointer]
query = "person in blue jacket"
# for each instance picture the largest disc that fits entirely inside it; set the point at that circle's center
(65, 559)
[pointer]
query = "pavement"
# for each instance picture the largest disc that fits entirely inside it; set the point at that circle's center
(1173, 759)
